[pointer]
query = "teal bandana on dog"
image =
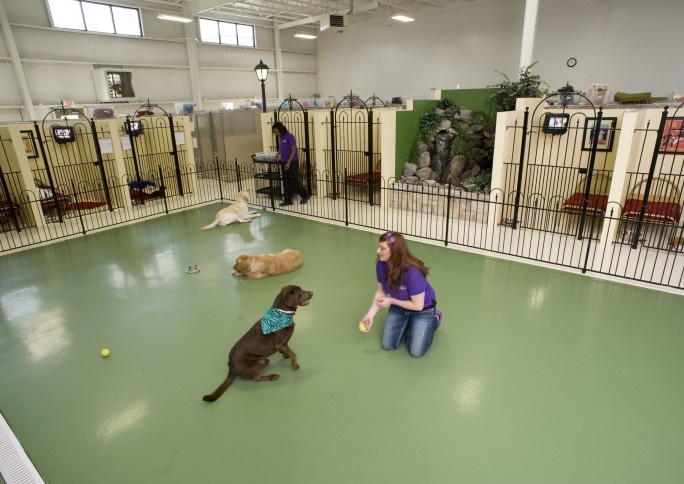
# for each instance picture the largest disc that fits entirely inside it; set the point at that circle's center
(276, 319)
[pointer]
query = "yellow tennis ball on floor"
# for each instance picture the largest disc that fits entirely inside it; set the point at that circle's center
(104, 353)
(363, 328)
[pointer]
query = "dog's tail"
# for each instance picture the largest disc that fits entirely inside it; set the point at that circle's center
(211, 225)
(221, 389)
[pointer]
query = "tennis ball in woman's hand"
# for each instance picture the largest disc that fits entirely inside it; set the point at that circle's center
(363, 328)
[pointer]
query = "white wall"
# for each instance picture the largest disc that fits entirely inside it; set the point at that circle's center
(58, 64)
(632, 45)
(463, 45)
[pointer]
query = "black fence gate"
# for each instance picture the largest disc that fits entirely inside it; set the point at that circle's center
(70, 170)
(350, 155)
(153, 155)
(296, 117)
(557, 186)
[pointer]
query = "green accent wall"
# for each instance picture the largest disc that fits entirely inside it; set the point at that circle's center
(473, 99)
(408, 122)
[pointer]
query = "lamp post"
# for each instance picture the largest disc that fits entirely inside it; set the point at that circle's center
(261, 70)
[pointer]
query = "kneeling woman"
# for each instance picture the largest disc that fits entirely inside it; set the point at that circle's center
(403, 287)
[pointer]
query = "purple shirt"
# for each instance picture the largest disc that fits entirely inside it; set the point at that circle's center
(414, 283)
(286, 142)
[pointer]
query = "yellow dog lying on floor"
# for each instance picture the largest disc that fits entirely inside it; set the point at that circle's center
(258, 266)
(238, 211)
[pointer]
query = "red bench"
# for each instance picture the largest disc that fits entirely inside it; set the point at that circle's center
(362, 178)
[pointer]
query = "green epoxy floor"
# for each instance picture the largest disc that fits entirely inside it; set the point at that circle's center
(536, 375)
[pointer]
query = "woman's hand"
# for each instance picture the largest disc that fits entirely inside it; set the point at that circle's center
(384, 301)
(367, 322)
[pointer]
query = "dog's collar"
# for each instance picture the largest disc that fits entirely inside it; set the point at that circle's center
(276, 319)
(251, 265)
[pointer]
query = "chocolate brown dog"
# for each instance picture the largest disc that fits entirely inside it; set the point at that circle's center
(268, 335)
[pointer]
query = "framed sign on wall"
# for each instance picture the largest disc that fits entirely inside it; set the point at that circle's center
(29, 144)
(606, 133)
(673, 136)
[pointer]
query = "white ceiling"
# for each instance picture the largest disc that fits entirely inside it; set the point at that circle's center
(286, 11)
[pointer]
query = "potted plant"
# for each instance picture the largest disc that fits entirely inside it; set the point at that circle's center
(507, 91)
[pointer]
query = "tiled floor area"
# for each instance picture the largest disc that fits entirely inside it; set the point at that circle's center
(535, 376)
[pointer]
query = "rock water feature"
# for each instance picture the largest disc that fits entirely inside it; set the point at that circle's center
(458, 149)
(440, 162)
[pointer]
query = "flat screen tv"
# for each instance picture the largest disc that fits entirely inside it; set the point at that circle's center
(555, 123)
(134, 127)
(63, 134)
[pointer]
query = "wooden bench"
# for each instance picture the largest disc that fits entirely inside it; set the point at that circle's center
(362, 178)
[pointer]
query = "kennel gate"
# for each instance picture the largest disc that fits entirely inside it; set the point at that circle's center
(557, 183)
(350, 156)
(152, 147)
(297, 120)
(72, 168)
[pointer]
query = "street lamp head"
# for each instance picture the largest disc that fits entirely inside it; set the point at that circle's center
(261, 70)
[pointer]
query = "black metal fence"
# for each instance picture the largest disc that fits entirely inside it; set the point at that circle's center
(444, 214)
(559, 199)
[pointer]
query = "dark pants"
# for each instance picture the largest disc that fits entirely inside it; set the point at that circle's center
(291, 182)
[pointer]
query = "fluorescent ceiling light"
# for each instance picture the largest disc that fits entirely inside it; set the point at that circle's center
(174, 18)
(305, 36)
(402, 18)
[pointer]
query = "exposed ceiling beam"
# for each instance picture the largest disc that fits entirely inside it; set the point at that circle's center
(308, 11)
(202, 6)
(304, 21)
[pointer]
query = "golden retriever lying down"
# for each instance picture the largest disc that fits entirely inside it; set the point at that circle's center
(259, 266)
(238, 211)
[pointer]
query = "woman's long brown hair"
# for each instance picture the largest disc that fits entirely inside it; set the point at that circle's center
(280, 127)
(400, 259)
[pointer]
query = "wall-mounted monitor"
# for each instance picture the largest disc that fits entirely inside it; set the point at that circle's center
(63, 134)
(555, 123)
(134, 127)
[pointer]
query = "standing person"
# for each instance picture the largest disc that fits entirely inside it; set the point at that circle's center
(403, 287)
(289, 160)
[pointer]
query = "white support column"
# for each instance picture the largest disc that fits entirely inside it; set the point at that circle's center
(280, 80)
(529, 28)
(114, 128)
(193, 64)
(16, 62)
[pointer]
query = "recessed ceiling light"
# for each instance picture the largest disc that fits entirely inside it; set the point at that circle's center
(174, 18)
(402, 18)
(305, 36)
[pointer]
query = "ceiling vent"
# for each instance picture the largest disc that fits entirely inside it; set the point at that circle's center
(334, 21)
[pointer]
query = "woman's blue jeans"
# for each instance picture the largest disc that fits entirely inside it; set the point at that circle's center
(418, 327)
